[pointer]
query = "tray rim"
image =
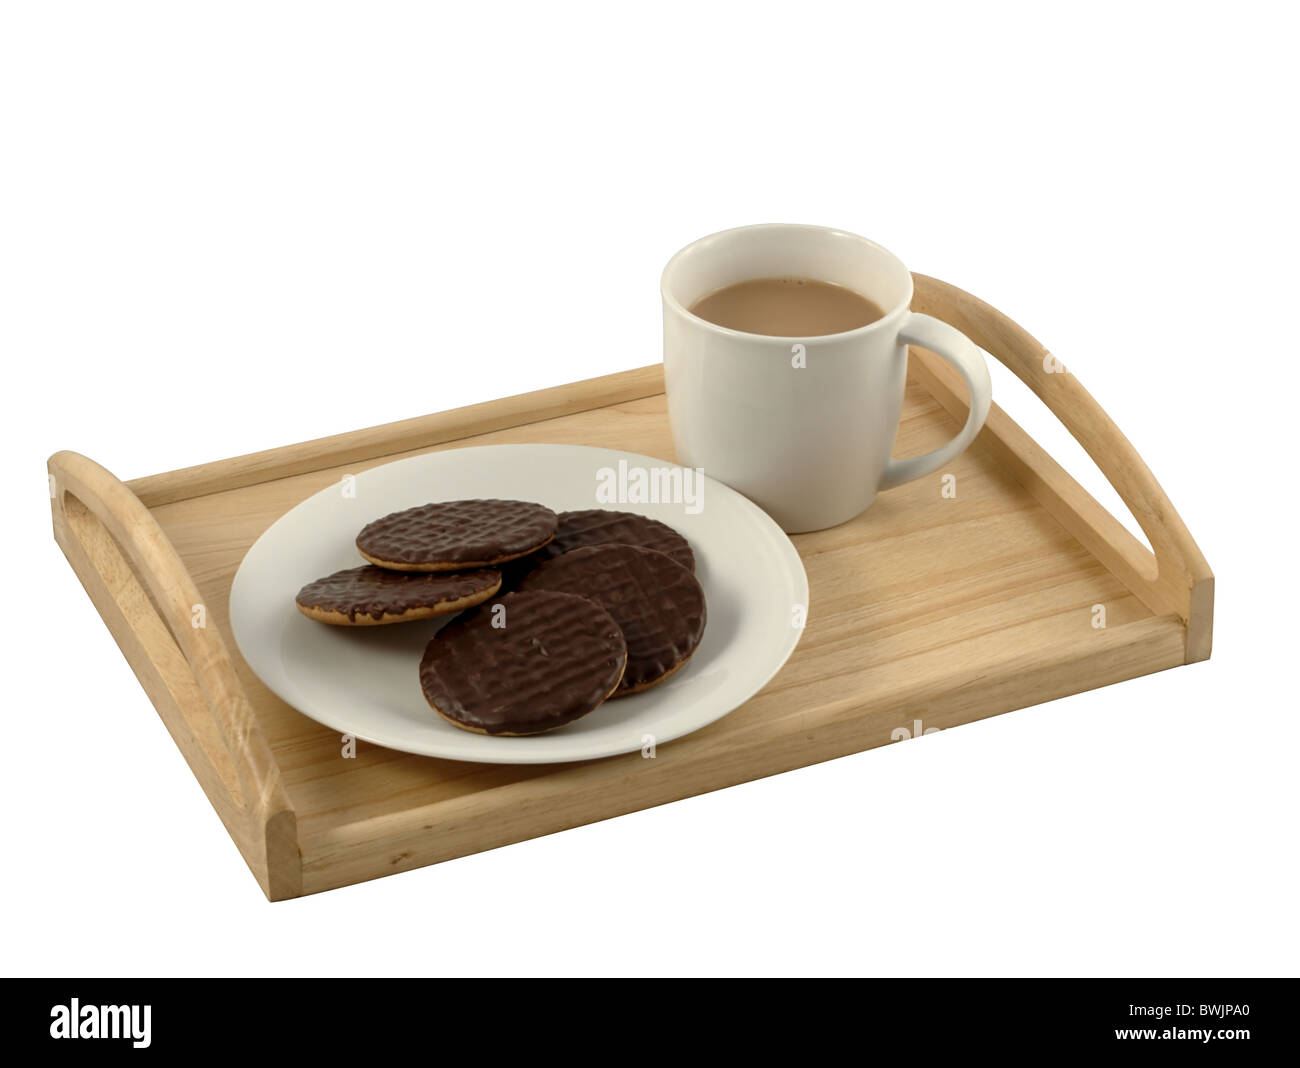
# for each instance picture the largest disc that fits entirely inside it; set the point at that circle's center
(142, 589)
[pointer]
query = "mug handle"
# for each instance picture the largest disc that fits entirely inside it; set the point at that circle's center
(955, 347)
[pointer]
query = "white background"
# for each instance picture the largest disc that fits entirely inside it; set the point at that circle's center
(233, 226)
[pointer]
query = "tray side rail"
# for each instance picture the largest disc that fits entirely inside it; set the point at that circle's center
(146, 595)
(1172, 577)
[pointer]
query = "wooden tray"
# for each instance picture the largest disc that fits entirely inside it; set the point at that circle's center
(925, 608)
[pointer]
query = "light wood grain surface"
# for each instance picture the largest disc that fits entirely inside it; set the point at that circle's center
(925, 608)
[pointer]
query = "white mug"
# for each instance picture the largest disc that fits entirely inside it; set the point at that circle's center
(804, 427)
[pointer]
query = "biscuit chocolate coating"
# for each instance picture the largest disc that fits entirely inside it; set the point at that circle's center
(523, 664)
(456, 535)
(601, 526)
(658, 604)
(369, 595)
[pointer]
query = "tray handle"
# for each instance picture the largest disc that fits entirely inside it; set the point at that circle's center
(1175, 578)
(133, 563)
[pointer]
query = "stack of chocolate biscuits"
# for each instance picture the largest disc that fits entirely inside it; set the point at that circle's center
(593, 604)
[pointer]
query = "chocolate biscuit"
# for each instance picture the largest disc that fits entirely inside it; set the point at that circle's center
(600, 526)
(456, 535)
(369, 595)
(526, 663)
(659, 605)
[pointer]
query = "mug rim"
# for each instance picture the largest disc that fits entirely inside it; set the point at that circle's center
(886, 319)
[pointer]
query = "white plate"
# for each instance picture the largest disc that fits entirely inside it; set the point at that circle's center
(364, 681)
